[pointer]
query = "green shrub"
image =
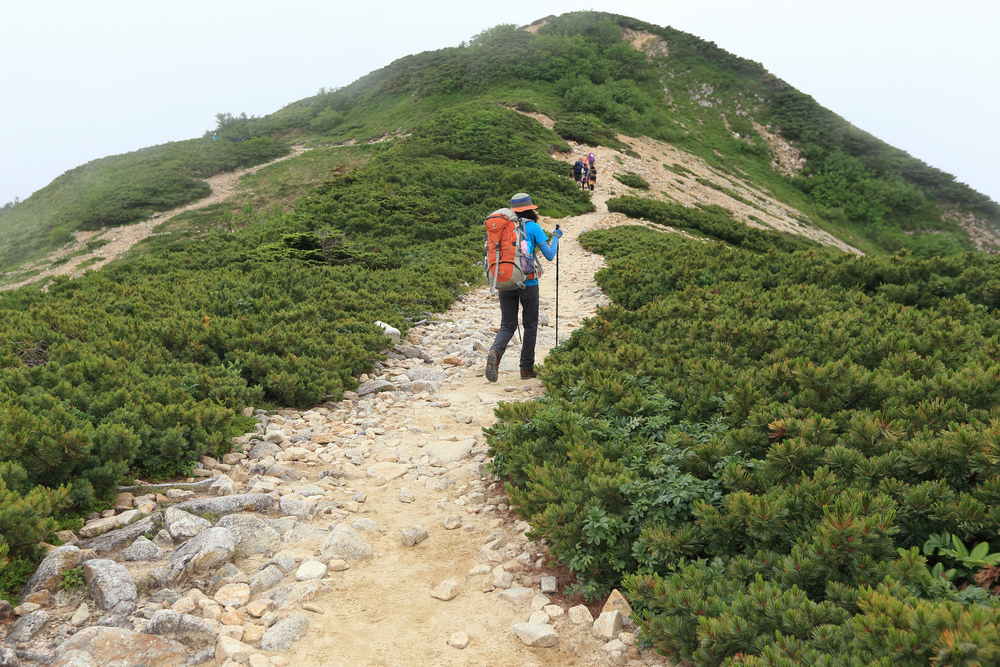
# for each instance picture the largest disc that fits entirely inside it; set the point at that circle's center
(589, 131)
(813, 432)
(145, 366)
(632, 180)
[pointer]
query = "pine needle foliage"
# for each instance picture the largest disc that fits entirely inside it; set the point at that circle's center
(145, 366)
(757, 443)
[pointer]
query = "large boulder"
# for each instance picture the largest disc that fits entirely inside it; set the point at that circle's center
(142, 549)
(284, 633)
(98, 526)
(344, 543)
(202, 553)
(170, 622)
(101, 646)
(118, 538)
(27, 627)
(374, 386)
(183, 525)
(253, 534)
(49, 573)
(446, 451)
(262, 450)
(111, 585)
(249, 502)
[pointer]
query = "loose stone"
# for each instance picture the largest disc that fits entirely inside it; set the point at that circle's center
(345, 544)
(538, 635)
(617, 601)
(80, 616)
(554, 610)
(580, 614)
(252, 634)
(414, 535)
(233, 595)
(311, 569)
(183, 525)
(539, 617)
(538, 602)
(446, 590)
(227, 648)
(608, 625)
(458, 640)
(284, 633)
(259, 607)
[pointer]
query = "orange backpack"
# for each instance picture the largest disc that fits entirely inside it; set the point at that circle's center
(507, 261)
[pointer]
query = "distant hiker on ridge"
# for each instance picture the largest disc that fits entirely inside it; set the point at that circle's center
(527, 296)
(584, 177)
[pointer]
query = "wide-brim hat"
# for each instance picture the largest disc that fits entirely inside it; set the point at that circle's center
(521, 202)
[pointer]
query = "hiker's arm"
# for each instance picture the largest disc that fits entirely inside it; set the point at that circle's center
(541, 242)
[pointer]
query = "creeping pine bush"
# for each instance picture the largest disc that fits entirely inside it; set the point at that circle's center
(632, 180)
(828, 416)
(147, 365)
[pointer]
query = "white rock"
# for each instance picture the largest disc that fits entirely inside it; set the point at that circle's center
(446, 590)
(580, 614)
(390, 331)
(538, 635)
(539, 617)
(554, 610)
(608, 625)
(183, 525)
(311, 569)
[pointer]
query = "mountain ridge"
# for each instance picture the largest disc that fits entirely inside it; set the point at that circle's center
(711, 100)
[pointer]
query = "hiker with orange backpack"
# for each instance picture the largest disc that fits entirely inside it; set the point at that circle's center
(513, 271)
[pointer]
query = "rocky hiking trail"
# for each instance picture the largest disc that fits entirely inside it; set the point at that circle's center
(361, 532)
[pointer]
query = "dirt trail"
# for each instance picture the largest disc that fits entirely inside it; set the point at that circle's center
(121, 239)
(380, 611)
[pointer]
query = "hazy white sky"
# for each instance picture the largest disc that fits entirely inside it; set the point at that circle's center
(83, 80)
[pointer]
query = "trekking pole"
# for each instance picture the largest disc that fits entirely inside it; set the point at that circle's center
(557, 294)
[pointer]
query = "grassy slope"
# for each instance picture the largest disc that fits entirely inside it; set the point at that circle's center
(576, 62)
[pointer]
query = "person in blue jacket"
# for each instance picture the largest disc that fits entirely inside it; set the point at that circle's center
(527, 296)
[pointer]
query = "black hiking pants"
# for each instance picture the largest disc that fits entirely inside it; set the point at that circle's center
(527, 297)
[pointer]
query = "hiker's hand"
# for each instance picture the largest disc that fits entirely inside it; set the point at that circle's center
(558, 232)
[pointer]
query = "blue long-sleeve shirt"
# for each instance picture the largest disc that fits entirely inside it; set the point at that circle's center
(536, 237)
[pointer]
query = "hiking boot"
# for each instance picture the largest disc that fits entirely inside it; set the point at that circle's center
(528, 375)
(492, 365)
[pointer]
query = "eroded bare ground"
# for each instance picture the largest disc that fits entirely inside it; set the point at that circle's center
(679, 176)
(121, 239)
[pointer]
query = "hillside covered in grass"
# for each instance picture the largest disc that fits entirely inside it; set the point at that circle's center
(596, 75)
